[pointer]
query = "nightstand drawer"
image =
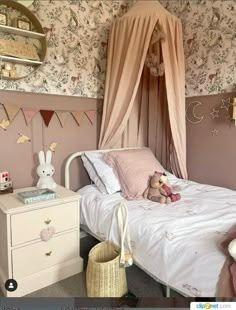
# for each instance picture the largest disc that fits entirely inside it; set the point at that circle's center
(42, 255)
(28, 225)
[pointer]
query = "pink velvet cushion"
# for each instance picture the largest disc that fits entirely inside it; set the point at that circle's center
(133, 168)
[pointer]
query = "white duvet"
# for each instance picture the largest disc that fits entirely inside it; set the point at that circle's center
(176, 243)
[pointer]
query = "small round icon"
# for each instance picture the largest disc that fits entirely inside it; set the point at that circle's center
(11, 285)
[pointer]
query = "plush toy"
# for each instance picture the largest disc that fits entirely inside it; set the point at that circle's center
(159, 191)
(167, 189)
(154, 190)
(45, 171)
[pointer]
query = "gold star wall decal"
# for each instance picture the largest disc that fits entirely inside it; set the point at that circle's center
(214, 113)
(225, 104)
(214, 132)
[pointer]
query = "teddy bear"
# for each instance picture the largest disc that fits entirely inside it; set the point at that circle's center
(159, 191)
(154, 190)
(167, 189)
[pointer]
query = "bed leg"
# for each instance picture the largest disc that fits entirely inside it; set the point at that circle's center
(167, 291)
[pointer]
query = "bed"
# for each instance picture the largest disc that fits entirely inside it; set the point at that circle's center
(176, 244)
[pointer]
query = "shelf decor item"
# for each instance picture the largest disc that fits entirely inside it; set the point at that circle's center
(9, 70)
(18, 49)
(5, 73)
(3, 18)
(22, 24)
(13, 72)
(8, 66)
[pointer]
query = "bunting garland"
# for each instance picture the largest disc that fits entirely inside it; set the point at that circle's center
(62, 116)
(11, 111)
(78, 116)
(91, 116)
(29, 114)
(47, 116)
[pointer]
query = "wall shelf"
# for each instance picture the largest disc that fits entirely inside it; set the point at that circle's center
(20, 60)
(21, 32)
(16, 12)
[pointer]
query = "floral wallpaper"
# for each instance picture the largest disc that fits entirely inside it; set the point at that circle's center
(209, 43)
(77, 34)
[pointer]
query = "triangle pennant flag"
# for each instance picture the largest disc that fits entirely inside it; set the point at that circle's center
(11, 111)
(29, 114)
(91, 116)
(62, 116)
(46, 115)
(78, 116)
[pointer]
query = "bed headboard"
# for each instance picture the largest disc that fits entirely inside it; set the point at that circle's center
(78, 154)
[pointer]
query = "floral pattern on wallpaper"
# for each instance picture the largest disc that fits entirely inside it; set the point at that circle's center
(77, 34)
(209, 44)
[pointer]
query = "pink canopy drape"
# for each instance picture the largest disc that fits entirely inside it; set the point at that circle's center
(140, 110)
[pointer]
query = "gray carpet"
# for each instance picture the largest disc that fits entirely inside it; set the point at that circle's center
(139, 283)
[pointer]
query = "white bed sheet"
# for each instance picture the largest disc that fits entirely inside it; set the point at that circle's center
(176, 243)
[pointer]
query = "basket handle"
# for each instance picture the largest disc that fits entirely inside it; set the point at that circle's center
(121, 215)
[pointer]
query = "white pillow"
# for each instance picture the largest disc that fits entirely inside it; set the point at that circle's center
(104, 172)
(93, 175)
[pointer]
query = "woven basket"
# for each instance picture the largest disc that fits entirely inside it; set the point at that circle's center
(104, 276)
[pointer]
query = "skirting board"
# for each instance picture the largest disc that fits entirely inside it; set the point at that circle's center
(46, 277)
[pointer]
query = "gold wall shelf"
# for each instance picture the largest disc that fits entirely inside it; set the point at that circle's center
(21, 32)
(21, 66)
(20, 60)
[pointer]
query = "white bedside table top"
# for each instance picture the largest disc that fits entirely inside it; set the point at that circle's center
(9, 203)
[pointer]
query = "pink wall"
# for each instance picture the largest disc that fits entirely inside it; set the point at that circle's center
(21, 160)
(211, 140)
(211, 155)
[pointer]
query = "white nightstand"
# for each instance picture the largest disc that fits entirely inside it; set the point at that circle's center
(34, 263)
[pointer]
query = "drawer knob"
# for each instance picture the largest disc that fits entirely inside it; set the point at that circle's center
(48, 253)
(47, 221)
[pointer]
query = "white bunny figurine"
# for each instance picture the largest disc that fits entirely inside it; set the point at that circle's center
(45, 171)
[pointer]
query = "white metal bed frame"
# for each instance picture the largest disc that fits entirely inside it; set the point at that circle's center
(86, 229)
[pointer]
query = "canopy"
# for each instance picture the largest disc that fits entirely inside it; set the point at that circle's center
(141, 109)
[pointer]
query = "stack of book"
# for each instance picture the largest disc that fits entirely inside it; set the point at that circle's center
(36, 195)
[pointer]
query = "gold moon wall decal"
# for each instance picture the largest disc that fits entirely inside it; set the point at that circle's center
(190, 112)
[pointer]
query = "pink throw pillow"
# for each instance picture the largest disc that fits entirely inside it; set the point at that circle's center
(133, 168)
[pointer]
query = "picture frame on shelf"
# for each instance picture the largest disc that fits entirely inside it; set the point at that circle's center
(3, 19)
(23, 24)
